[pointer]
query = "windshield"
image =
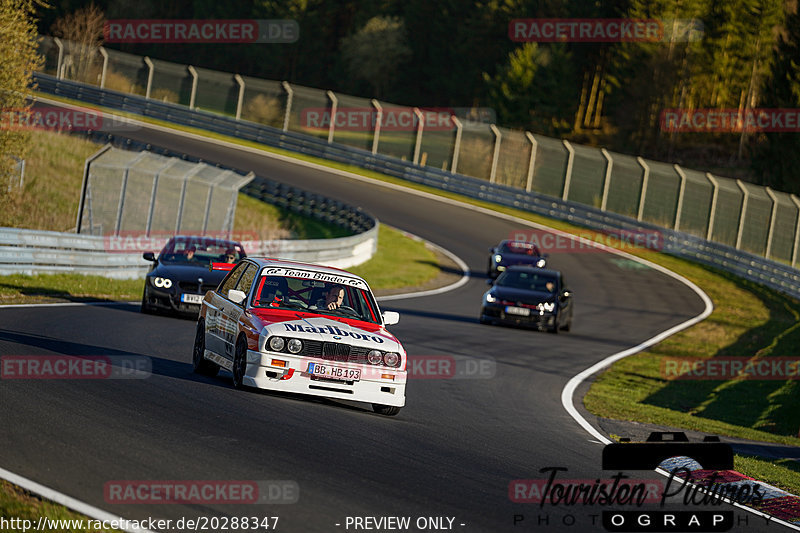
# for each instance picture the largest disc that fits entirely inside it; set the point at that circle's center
(529, 281)
(523, 248)
(320, 297)
(201, 251)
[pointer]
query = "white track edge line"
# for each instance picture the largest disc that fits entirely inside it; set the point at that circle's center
(68, 501)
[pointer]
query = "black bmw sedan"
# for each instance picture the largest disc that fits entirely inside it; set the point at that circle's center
(531, 297)
(180, 276)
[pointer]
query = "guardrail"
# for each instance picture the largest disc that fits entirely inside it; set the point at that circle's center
(31, 252)
(749, 266)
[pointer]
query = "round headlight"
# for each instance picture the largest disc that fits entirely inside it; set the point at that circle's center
(498, 258)
(276, 344)
(295, 345)
(375, 357)
(391, 359)
(165, 283)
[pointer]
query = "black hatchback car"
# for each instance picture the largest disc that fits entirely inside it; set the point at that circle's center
(181, 275)
(509, 253)
(531, 297)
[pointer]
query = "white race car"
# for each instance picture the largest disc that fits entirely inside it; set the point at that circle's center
(302, 328)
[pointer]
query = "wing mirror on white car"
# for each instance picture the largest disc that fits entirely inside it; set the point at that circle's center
(235, 296)
(390, 317)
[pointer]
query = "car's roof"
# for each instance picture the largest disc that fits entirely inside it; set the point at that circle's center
(519, 243)
(285, 263)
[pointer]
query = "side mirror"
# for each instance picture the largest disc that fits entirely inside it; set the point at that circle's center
(150, 256)
(390, 317)
(235, 296)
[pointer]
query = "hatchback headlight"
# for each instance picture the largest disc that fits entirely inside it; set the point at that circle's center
(162, 283)
(490, 298)
(498, 258)
(547, 306)
(540, 263)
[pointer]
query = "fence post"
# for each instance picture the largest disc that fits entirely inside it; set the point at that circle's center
(105, 67)
(195, 77)
(681, 191)
(643, 195)
(534, 146)
(606, 178)
(568, 172)
(82, 201)
(240, 100)
(289, 96)
(796, 244)
(457, 145)
(740, 229)
(377, 134)
(60, 61)
(498, 138)
(420, 126)
(772, 216)
(713, 211)
(150, 71)
(334, 109)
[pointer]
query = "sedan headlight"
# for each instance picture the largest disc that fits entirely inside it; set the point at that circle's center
(375, 357)
(490, 298)
(540, 263)
(162, 283)
(391, 359)
(295, 345)
(276, 344)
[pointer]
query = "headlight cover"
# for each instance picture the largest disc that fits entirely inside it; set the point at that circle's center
(391, 359)
(276, 344)
(294, 345)
(375, 357)
(161, 283)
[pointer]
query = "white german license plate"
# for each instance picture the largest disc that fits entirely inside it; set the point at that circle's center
(192, 298)
(522, 311)
(334, 372)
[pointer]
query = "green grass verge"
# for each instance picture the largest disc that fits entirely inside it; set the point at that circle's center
(20, 504)
(748, 320)
(399, 262)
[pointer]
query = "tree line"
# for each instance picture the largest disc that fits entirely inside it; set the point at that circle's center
(715, 54)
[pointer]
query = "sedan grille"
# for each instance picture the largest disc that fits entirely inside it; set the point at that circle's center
(335, 351)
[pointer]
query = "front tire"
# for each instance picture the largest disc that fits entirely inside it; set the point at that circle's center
(201, 365)
(146, 309)
(387, 410)
(239, 364)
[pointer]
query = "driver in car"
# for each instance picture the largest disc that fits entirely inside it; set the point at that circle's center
(333, 298)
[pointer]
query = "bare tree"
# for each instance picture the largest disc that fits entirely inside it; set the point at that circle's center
(83, 31)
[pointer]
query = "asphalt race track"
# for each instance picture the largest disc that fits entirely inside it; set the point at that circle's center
(451, 452)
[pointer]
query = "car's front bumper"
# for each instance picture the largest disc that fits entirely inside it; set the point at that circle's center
(294, 378)
(497, 314)
(170, 300)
